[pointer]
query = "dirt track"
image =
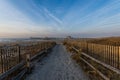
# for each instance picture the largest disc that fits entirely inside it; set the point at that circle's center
(57, 66)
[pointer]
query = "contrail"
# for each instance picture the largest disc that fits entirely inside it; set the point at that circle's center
(52, 16)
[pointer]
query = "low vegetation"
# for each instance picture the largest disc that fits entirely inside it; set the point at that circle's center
(114, 41)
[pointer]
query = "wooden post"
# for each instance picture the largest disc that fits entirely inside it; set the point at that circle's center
(19, 53)
(87, 48)
(106, 53)
(110, 54)
(46, 48)
(28, 62)
(79, 53)
(40, 46)
(3, 52)
(1, 56)
(118, 57)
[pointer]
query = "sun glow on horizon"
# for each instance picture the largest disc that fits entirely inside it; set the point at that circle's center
(20, 18)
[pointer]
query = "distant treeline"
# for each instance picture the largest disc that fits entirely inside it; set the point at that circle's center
(46, 38)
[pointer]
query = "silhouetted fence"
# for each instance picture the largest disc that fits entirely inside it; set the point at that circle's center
(11, 56)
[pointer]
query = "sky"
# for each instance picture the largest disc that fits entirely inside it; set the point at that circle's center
(59, 18)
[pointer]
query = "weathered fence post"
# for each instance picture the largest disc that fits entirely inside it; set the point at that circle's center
(28, 62)
(19, 51)
(1, 56)
(118, 58)
(79, 53)
(87, 47)
(46, 47)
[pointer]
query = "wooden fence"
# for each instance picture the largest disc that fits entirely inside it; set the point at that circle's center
(108, 54)
(105, 55)
(13, 58)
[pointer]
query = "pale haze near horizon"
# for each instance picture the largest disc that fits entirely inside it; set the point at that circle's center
(59, 18)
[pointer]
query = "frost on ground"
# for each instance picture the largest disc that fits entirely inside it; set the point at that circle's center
(57, 66)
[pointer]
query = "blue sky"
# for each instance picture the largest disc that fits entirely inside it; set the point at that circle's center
(59, 18)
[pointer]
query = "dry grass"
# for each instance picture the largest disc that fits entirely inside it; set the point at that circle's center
(90, 72)
(12, 55)
(109, 40)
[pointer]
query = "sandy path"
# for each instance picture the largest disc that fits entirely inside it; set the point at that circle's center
(57, 66)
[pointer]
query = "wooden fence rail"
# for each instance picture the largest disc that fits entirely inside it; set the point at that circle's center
(14, 59)
(105, 55)
(108, 54)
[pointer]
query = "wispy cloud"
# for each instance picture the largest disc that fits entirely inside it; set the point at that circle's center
(52, 16)
(105, 17)
(32, 18)
(13, 23)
